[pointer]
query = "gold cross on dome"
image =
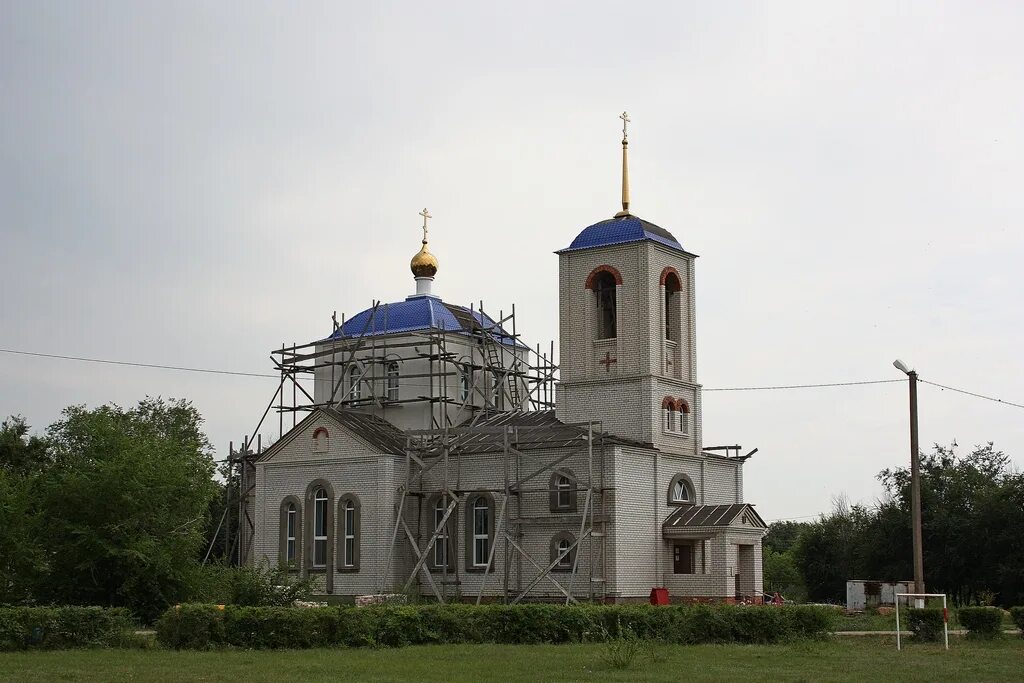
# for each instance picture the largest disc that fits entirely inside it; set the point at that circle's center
(425, 217)
(625, 119)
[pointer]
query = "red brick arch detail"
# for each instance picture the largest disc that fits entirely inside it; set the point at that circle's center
(668, 403)
(592, 278)
(682, 405)
(669, 270)
(320, 430)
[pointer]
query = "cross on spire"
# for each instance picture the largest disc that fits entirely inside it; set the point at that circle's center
(625, 168)
(425, 217)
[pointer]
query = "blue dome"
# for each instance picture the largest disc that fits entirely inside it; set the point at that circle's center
(422, 312)
(622, 231)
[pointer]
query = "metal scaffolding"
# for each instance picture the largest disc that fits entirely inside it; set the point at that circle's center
(499, 382)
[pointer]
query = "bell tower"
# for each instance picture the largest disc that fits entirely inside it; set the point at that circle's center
(626, 330)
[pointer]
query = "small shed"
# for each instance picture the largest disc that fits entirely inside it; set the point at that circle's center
(862, 594)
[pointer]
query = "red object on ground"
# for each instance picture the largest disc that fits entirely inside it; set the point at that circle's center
(659, 596)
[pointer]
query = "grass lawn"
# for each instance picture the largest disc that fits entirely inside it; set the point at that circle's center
(856, 659)
(872, 621)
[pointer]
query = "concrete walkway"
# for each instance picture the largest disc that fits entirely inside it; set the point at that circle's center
(952, 632)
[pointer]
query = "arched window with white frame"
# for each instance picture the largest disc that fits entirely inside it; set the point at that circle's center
(563, 552)
(465, 384)
(562, 489)
(443, 553)
(392, 381)
(680, 491)
(348, 533)
(670, 419)
(320, 502)
(684, 416)
(291, 532)
(479, 531)
(355, 376)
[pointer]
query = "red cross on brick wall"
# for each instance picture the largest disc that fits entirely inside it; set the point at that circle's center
(607, 361)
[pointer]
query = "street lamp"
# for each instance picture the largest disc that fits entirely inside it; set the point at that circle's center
(915, 481)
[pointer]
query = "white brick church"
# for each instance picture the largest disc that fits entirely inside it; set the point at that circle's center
(440, 457)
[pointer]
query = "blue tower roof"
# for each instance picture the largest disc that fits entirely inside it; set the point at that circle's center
(621, 231)
(417, 313)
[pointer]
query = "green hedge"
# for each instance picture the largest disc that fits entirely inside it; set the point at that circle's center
(205, 626)
(926, 623)
(981, 622)
(63, 627)
(1017, 614)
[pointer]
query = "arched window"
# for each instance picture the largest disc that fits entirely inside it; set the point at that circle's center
(320, 440)
(669, 408)
(498, 392)
(354, 382)
(465, 384)
(291, 532)
(443, 551)
(562, 491)
(481, 537)
(348, 533)
(684, 416)
(392, 375)
(670, 279)
(479, 531)
(563, 551)
(320, 528)
(604, 293)
(680, 491)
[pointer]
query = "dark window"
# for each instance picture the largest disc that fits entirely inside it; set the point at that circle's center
(682, 558)
(672, 288)
(604, 291)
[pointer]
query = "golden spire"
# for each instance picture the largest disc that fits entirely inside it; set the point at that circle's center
(625, 168)
(424, 264)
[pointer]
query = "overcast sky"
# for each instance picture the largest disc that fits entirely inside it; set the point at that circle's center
(195, 183)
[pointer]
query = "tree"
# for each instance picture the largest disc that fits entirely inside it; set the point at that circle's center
(20, 454)
(126, 501)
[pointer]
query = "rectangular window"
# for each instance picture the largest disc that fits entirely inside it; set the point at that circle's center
(684, 422)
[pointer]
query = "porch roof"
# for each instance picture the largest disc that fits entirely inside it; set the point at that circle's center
(709, 516)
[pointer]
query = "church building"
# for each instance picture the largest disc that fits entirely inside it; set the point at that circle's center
(440, 455)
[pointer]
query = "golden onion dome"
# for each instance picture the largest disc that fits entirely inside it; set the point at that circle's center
(423, 264)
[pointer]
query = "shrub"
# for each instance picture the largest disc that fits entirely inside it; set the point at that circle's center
(263, 586)
(810, 621)
(191, 627)
(63, 627)
(925, 622)
(204, 626)
(1017, 614)
(981, 622)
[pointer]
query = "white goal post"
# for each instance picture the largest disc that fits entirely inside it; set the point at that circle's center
(945, 614)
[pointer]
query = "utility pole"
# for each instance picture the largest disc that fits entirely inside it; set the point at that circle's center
(915, 483)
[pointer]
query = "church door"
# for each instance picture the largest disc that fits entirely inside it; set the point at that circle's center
(682, 558)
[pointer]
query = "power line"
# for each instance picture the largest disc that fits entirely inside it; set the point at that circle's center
(971, 393)
(778, 387)
(806, 386)
(138, 365)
